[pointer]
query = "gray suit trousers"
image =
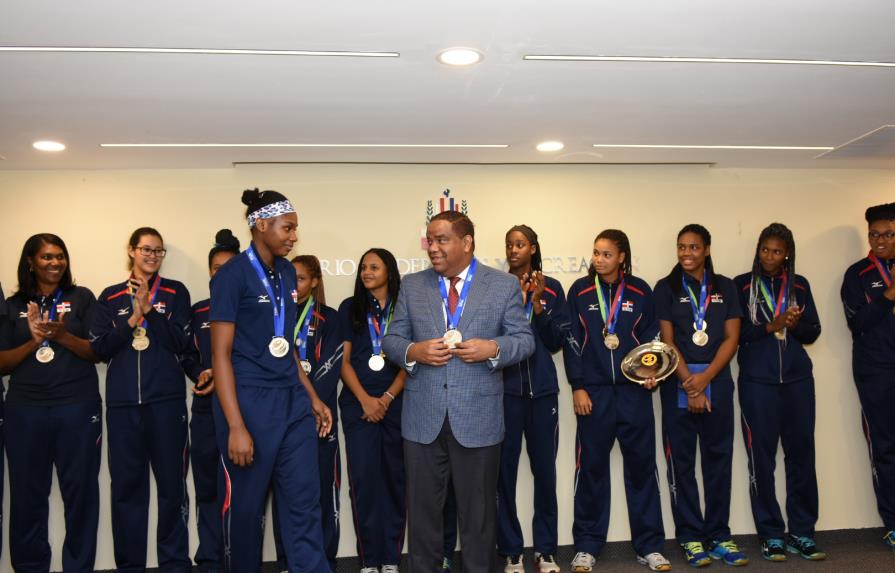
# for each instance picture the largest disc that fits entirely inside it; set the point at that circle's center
(429, 467)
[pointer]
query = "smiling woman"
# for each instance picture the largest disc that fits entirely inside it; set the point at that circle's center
(53, 406)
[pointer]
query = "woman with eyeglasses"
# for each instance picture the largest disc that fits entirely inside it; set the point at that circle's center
(868, 295)
(140, 327)
(53, 408)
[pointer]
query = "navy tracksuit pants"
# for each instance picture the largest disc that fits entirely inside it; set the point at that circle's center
(205, 458)
(285, 454)
(783, 413)
(375, 456)
(150, 435)
(538, 420)
(70, 437)
(623, 412)
(714, 432)
(330, 465)
(877, 394)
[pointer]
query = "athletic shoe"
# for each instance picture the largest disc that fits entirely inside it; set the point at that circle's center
(514, 564)
(446, 565)
(583, 562)
(728, 552)
(695, 554)
(773, 549)
(389, 569)
(655, 561)
(369, 570)
(889, 539)
(805, 547)
(546, 563)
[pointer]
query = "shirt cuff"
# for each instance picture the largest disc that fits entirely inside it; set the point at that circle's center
(408, 365)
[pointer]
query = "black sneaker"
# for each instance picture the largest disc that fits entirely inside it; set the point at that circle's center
(805, 547)
(773, 549)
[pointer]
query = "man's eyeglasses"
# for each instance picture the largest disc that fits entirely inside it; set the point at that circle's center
(146, 251)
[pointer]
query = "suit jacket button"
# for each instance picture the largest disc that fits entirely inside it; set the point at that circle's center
(445, 386)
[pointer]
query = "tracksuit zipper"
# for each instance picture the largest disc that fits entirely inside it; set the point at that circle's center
(780, 358)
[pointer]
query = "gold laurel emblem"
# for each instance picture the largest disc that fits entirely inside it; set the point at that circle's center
(649, 359)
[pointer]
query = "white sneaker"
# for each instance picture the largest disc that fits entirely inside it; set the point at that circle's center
(546, 563)
(655, 561)
(369, 570)
(389, 569)
(583, 562)
(514, 564)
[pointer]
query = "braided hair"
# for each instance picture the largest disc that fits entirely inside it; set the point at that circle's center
(772, 231)
(532, 238)
(622, 243)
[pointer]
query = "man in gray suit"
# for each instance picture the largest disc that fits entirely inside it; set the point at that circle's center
(456, 325)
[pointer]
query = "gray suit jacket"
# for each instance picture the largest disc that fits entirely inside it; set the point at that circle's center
(471, 395)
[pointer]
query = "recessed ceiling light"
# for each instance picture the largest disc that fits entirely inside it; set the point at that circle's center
(460, 56)
(755, 147)
(212, 51)
(679, 60)
(47, 145)
(548, 146)
(386, 145)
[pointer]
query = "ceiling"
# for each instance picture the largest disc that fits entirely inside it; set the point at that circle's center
(85, 99)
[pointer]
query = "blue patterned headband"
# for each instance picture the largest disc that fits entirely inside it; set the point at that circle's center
(270, 211)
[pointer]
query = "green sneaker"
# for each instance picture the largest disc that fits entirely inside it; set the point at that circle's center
(695, 554)
(805, 547)
(773, 549)
(728, 552)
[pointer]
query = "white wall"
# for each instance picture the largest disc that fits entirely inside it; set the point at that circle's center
(344, 209)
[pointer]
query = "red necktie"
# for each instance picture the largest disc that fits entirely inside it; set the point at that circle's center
(453, 296)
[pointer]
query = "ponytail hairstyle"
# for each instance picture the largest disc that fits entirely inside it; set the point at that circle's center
(674, 277)
(224, 242)
(312, 264)
(622, 243)
(772, 231)
(532, 238)
(264, 205)
(360, 306)
(135, 240)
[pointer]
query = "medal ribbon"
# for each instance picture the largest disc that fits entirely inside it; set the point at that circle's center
(377, 334)
(278, 304)
(153, 291)
(454, 319)
(610, 315)
(781, 305)
(52, 313)
(704, 299)
(883, 271)
(302, 327)
(529, 306)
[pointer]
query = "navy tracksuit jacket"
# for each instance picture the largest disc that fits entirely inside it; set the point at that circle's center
(622, 411)
(531, 409)
(147, 422)
(872, 322)
(204, 455)
(776, 390)
(713, 430)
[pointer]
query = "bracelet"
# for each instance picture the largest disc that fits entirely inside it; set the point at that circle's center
(390, 395)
